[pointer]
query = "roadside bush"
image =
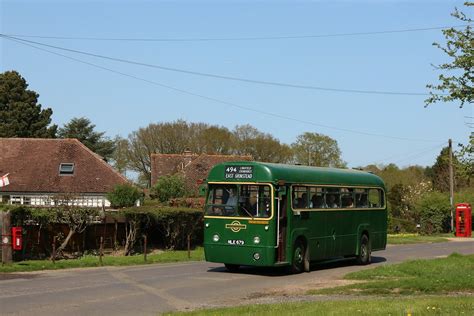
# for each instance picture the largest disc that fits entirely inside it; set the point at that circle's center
(169, 187)
(400, 225)
(434, 213)
(171, 226)
(124, 195)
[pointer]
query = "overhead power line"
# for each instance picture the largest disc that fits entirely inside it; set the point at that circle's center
(405, 155)
(218, 76)
(245, 38)
(420, 154)
(247, 108)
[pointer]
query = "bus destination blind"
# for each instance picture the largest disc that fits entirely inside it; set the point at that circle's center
(239, 172)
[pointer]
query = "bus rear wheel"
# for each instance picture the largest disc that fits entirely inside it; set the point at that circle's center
(364, 256)
(232, 267)
(299, 253)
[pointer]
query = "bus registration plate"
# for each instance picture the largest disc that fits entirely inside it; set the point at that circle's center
(235, 242)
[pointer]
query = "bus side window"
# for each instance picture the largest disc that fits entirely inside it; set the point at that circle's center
(300, 197)
(374, 198)
(316, 198)
(333, 198)
(361, 198)
(347, 200)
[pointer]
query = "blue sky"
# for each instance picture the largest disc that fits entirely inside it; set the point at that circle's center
(120, 105)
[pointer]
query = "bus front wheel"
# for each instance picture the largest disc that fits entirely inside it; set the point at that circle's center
(364, 256)
(299, 253)
(232, 267)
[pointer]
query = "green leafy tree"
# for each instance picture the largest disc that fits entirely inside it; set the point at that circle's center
(82, 129)
(124, 195)
(393, 175)
(440, 172)
(169, 187)
(261, 146)
(313, 149)
(119, 156)
(21, 114)
(465, 156)
(212, 139)
(456, 83)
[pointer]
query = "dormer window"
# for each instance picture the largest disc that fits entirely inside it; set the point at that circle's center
(66, 169)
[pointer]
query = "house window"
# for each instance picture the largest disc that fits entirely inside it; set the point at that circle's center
(26, 200)
(66, 169)
(15, 200)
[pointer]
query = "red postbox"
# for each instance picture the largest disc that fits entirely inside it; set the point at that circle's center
(463, 220)
(17, 238)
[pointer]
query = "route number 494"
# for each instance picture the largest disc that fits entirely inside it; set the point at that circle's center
(231, 169)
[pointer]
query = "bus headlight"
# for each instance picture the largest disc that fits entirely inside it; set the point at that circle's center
(215, 238)
(207, 225)
(256, 256)
(256, 240)
(266, 227)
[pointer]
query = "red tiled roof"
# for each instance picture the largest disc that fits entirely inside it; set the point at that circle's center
(33, 166)
(167, 164)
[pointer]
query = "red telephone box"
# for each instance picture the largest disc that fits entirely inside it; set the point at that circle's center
(17, 238)
(463, 220)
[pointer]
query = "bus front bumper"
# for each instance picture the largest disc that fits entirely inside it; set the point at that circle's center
(241, 255)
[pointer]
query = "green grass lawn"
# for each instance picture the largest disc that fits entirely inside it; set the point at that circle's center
(93, 261)
(443, 286)
(436, 305)
(400, 239)
(454, 274)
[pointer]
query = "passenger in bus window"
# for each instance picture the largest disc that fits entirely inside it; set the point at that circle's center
(331, 201)
(232, 199)
(302, 201)
(347, 202)
(317, 201)
(294, 201)
(362, 201)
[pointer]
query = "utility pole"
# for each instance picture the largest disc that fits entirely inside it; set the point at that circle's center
(5, 220)
(451, 182)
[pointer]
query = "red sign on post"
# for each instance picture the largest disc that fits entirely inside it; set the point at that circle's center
(17, 238)
(463, 220)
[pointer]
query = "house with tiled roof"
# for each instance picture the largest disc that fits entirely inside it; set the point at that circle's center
(194, 167)
(45, 172)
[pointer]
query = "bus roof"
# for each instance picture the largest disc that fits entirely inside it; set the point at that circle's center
(233, 171)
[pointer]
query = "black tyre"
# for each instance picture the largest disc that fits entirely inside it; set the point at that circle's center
(365, 250)
(232, 267)
(299, 250)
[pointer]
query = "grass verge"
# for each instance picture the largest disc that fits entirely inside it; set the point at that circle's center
(93, 261)
(454, 274)
(436, 305)
(401, 239)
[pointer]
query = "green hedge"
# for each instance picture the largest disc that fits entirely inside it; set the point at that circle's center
(167, 226)
(434, 213)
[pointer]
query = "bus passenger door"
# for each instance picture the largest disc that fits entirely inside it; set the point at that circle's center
(282, 223)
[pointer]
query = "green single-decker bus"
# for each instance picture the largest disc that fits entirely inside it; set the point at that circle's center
(266, 214)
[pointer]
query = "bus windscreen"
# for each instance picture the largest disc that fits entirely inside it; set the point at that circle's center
(242, 200)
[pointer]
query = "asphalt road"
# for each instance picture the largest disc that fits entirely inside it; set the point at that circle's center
(151, 289)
